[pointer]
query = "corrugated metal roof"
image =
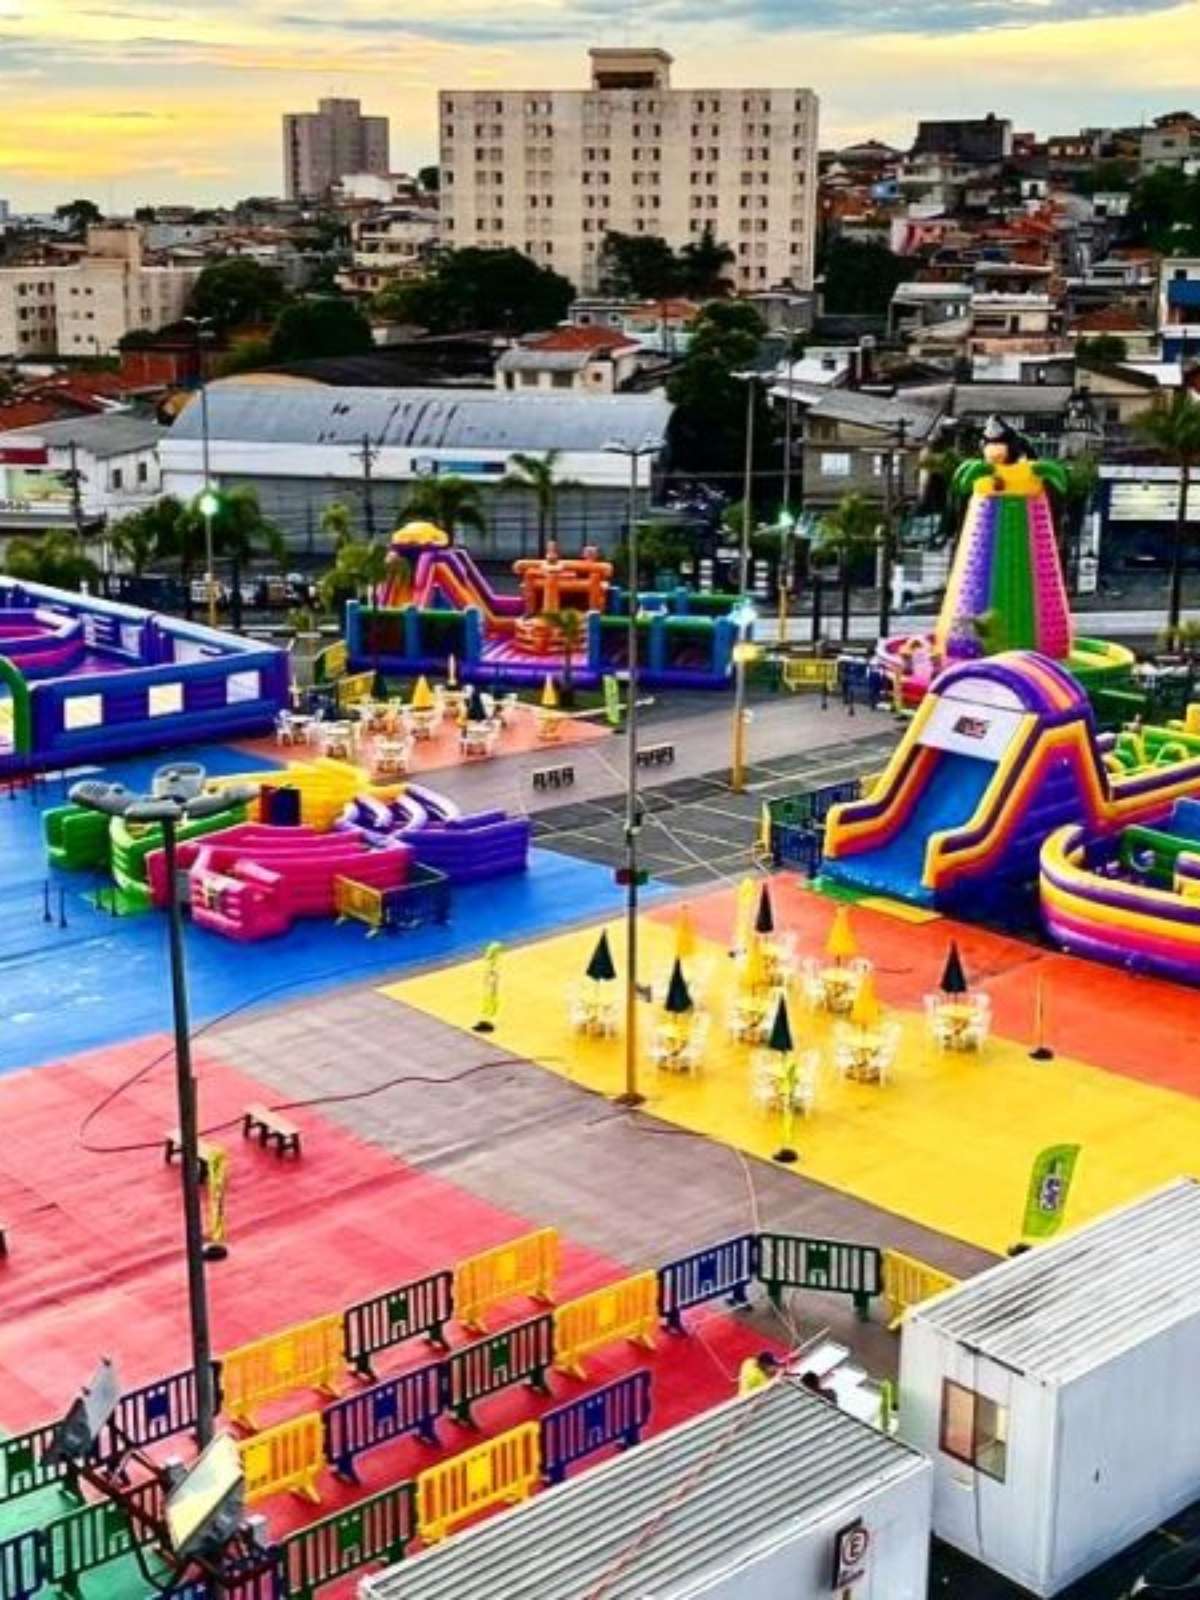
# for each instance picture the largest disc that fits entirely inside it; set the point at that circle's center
(111, 435)
(883, 412)
(425, 419)
(526, 358)
(1064, 1308)
(757, 1469)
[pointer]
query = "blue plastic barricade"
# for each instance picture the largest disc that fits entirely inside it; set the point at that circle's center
(410, 1403)
(22, 1565)
(156, 1411)
(615, 1414)
(722, 1269)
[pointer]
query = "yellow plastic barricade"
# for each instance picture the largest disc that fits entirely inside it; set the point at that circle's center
(624, 1310)
(801, 673)
(907, 1281)
(288, 1456)
(528, 1265)
(502, 1471)
(359, 901)
(308, 1356)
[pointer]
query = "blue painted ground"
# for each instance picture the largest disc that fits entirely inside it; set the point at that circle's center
(100, 980)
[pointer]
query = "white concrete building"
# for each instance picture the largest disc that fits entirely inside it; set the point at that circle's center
(1054, 1393)
(84, 308)
(777, 1497)
(115, 456)
(390, 246)
(586, 360)
(549, 172)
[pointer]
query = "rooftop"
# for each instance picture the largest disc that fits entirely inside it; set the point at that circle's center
(759, 1470)
(1070, 1306)
(590, 340)
(918, 412)
(115, 434)
(424, 418)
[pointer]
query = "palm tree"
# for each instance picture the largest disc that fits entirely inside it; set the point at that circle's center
(843, 535)
(337, 524)
(55, 558)
(536, 474)
(1174, 431)
(358, 568)
(134, 540)
(570, 625)
(448, 502)
(241, 532)
(178, 534)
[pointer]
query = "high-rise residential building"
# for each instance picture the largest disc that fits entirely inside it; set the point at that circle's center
(321, 146)
(550, 171)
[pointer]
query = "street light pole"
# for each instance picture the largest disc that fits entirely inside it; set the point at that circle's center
(787, 521)
(208, 500)
(737, 773)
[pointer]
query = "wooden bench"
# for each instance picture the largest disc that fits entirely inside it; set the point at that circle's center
(269, 1128)
(656, 755)
(173, 1146)
(553, 777)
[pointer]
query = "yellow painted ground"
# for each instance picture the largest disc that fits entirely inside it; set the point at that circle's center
(947, 1143)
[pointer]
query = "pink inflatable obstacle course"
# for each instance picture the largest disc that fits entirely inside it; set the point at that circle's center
(254, 880)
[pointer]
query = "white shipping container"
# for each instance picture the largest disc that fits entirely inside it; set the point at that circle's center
(1054, 1393)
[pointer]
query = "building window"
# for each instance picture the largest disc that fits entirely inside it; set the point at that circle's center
(83, 711)
(834, 464)
(974, 1429)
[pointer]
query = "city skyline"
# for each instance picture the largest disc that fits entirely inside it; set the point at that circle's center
(130, 100)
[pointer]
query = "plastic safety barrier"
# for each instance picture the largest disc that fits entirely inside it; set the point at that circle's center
(410, 1403)
(504, 1470)
(615, 1414)
(358, 902)
(22, 1565)
(786, 1261)
(308, 1356)
(721, 1269)
(624, 1310)
(907, 1281)
(288, 1456)
(96, 1534)
(807, 673)
(423, 1306)
(378, 1529)
(22, 1469)
(156, 1411)
(264, 1581)
(528, 1266)
(521, 1354)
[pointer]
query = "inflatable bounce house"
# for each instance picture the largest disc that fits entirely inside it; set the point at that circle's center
(1004, 801)
(1006, 588)
(84, 679)
(318, 839)
(435, 603)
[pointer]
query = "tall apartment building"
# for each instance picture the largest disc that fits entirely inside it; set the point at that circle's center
(84, 307)
(321, 146)
(549, 172)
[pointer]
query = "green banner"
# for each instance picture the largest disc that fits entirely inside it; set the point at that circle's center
(1049, 1186)
(612, 700)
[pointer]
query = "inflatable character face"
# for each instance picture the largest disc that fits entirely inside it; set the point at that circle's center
(996, 452)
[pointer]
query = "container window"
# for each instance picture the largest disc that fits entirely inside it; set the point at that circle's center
(242, 686)
(974, 1430)
(165, 699)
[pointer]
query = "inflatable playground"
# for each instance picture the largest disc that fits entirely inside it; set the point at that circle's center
(317, 839)
(435, 604)
(1006, 589)
(84, 679)
(1005, 801)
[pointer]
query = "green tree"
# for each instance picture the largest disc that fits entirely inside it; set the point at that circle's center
(240, 534)
(844, 536)
(637, 266)
(178, 534)
(709, 427)
(570, 625)
(1174, 432)
(429, 179)
(134, 540)
(55, 558)
(702, 264)
(1164, 211)
(80, 214)
(1105, 350)
(329, 326)
(449, 502)
(249, 353)
(537, 475)
(860, 278)
(237, 293)
(479, 289)
(358, 568)
(337, 523)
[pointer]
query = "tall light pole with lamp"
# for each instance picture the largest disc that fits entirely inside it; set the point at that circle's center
(630, 875)
(209, 503)
(743, 613)
(178, 795)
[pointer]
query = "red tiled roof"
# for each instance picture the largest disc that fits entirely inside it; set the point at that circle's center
(584, 339)
(29, 414)
(1109, 319)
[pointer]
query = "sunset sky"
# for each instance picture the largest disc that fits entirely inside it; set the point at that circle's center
(130, 101)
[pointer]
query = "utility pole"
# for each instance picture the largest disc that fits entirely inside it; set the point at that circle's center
(786, 522)
(888, 541)
(737, 771)
(366, 453)
(73, 478)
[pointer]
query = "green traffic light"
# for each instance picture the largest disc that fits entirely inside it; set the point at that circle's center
(209, 504)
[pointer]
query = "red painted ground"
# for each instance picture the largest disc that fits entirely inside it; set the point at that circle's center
(1141, 1027)
(432, 755)
(96, 1268)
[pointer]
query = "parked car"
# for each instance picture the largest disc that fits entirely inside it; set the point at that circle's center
(1173, 1575)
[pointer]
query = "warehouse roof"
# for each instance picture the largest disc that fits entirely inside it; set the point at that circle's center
(699, 1498)
(116, 434)
(425, 419)
(1060, 1310)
